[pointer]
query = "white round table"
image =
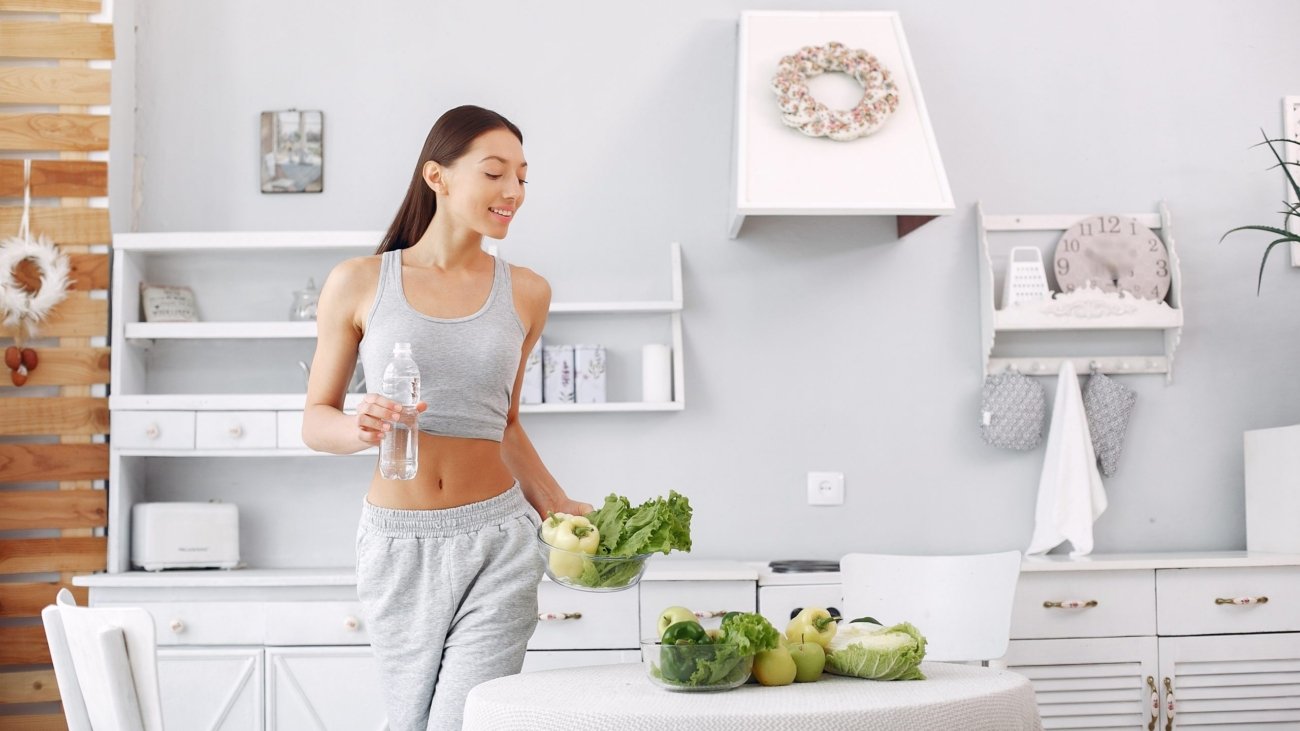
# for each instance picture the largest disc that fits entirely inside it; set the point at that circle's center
(622, 697)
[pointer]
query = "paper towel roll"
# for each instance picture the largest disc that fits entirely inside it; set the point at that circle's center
(656, 373)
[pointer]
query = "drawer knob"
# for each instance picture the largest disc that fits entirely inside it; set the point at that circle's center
(177, 626)
(1242, 601)
(1071, 604)
(706, 614)
(351, 623)
(152, 431)
(547, 616)
(236, 431)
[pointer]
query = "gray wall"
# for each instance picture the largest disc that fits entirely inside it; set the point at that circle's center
(812, 344)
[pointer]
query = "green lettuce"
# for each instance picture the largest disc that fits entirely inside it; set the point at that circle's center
(656, 525)
(750, 633)
(878, 653)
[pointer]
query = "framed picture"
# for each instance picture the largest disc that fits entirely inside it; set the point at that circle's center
(292, 152)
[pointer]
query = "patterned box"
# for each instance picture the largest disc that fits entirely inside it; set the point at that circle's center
(557, 374)
(589, 365)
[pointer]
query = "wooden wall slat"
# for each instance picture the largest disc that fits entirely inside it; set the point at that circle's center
(76, 316)
(47, 722)
(87, 272)
(39, 509)
(28, 686)
(74, 226)
(24, 645)
(57, 415)
(44, 85)
(35, 39)
(37, 555)
(27, 600)
(63, 367)
(55, 178)
(53, 462)
(81, 132)
(89, 7)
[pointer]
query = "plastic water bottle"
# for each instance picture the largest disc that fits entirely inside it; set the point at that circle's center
(398, 453)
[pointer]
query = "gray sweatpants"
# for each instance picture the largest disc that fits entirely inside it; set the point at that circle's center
(450, 600)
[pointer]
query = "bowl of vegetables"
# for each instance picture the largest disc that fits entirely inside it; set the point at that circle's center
(606, 549)
(687, 657)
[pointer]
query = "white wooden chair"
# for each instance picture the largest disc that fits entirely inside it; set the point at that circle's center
(106, 665)
(962, 604)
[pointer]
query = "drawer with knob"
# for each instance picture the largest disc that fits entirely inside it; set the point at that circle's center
(581, 620)
(208, 623)
(315, 623)
(153, 429)
(1063, 604)
(707, 600)
(235, 430)
(1228, 601)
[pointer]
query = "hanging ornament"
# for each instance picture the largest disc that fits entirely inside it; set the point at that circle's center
(21, 309)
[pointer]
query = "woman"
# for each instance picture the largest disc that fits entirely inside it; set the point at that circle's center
(446, 567)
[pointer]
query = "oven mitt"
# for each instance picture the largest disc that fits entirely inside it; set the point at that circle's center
(1109, 404)
(1013, 411)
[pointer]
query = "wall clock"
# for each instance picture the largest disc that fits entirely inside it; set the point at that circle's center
(1114, 254)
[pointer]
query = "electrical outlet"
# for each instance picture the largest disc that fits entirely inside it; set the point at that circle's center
(825, 488)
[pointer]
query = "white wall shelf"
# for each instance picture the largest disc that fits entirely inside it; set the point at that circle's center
(1138, 315)
(779, 171)
(1291, 153)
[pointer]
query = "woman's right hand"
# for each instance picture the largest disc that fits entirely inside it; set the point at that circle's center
(375, 417)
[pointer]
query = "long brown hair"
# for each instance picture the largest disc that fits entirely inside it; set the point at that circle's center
(449, 138)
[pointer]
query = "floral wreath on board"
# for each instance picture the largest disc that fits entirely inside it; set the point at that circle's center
(801, 110)
(23, 310)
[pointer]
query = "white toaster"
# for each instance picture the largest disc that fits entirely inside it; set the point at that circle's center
(184, 535)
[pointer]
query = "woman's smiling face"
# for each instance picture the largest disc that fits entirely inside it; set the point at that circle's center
(484, 189)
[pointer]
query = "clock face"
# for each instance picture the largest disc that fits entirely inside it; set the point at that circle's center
(1114, 254)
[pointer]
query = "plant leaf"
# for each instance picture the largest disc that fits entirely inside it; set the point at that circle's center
(1268, 229)
(1289, 177)
(1260, 285)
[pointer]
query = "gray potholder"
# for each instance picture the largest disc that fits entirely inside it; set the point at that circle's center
(1013, 410)
(1109, 404)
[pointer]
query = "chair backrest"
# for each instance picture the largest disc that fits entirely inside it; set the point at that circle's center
(962, 604)
(106, 665)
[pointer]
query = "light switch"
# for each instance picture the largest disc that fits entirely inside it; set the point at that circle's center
(825, 488)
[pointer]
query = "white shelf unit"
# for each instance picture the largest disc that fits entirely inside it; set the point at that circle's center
(1291, 153)
(779, 171)
(1166, 320)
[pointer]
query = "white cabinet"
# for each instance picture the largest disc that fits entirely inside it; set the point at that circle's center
(324, 688)
(1098, 682)
(211, 688)
(535, 660)
(709, 600)
(1232, 681)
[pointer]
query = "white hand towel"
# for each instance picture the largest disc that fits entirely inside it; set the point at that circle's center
(1070, 493)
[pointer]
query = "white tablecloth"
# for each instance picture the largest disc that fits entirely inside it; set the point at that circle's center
(622, 697)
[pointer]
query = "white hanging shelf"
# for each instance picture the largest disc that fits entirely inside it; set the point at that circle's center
(1082, 310)
(779, 171)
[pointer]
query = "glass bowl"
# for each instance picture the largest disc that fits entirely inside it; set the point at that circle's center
(695, 667)
(584, 572)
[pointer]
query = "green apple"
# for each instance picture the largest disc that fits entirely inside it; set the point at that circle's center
(809, 660)
(775, 667)
(672, 615)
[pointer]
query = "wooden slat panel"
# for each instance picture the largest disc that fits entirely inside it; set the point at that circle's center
(51, 462)
(63, 367)
(88, 272)
(30, 39)
(36, 416)
(83, 132)
(89, 7)
(37, 555)
(44, 85)
(27, 600)
(63, 225)
(35, 723)
(29, 686)
(24, 646)
(37, 509)
(76, 316)
(54, 178)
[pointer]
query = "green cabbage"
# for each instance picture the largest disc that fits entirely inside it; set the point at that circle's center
(870, 651)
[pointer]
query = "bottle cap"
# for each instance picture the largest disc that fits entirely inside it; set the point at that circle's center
(401, 348)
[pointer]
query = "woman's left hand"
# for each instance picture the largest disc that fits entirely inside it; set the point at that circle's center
(567, 505)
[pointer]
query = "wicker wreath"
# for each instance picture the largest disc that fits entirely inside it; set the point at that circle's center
(799, 109)
(23, 309)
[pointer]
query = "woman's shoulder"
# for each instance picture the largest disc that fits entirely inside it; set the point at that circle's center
(355, 276)
(530, 286)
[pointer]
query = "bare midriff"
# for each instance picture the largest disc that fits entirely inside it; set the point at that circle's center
(452, 471)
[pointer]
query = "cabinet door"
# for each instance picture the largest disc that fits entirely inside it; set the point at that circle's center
(211, 688)
(1232, 681)
(323, 689)
(1090, 683)
(535, 660)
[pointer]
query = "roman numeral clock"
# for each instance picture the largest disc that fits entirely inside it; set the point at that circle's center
(1113, 254)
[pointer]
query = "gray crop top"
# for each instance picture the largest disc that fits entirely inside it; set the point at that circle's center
(467, 364)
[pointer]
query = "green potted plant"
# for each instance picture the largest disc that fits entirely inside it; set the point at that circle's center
(1292, 212)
